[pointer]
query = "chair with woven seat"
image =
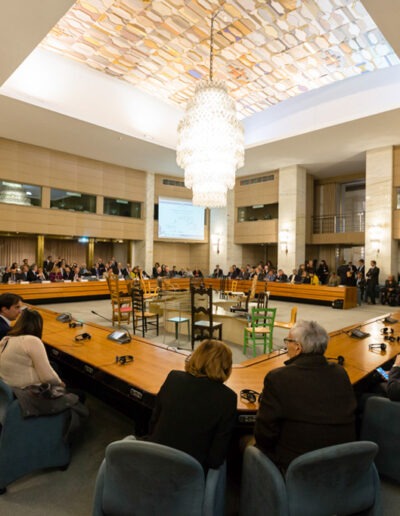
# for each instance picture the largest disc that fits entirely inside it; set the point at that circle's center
(242, 307)
(121, 301)
(288, 325)
(30, 444)
(143, 319)
(145, 478)
(150, 291)
(201, 304)
(260, 329)
(340, 479)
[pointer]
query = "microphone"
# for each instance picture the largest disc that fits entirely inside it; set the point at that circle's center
(110, 321)
(382, 346)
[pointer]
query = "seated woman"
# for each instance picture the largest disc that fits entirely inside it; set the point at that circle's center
(195, 412)
(23, 358)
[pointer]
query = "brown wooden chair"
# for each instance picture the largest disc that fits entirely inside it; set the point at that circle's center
(201, 304)
(121, 301)
(142, 318)
(288, 325)
(150, 291)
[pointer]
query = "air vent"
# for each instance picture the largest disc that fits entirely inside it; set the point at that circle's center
(254, 180)
(172, 182)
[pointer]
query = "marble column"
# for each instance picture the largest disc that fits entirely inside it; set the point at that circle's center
(292, 217)
(379, 206)
(142, 250)
(223, 250)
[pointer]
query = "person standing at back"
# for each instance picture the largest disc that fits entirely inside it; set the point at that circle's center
(372, 278)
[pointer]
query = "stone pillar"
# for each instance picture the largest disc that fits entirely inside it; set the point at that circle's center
(292, 217)
(142, 254)
(90, 253)
(221, 238)
(40, 250)
(379, 206)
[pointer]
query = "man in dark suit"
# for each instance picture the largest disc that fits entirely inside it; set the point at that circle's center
(372, 278)
(48, 264)
(10, 308)
(307, 404)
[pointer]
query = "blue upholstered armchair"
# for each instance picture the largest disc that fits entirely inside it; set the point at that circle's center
(144, 478)
(338, 479)
(381, 424)
(28, 444)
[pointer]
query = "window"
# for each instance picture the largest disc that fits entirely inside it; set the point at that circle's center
(16, 193)
(122, 208)
(258, 212)
(72, 201)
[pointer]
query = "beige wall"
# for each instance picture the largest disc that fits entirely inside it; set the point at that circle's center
(29, 164)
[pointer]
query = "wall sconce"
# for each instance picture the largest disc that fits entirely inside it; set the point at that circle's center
(283, 240)
(216, 242)
(375, 235)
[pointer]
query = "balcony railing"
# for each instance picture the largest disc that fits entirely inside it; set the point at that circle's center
(347, 223)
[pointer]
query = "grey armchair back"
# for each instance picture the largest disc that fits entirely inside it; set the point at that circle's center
(339, 479)
(149, 479)
(381, 424)
(30, 444)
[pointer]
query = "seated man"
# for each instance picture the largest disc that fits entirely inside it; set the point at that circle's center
(10, 308)
(389, 293)
(393, 384)
(307, 404)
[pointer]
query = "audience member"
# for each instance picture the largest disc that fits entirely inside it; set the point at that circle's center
(194, 411)
(307, 404)
(10, 308)
(48, 264)
(360, 284)
(389, 293)
(281, 277)
(393, 385)
(333, 280)
(323, 272)
(23, 357)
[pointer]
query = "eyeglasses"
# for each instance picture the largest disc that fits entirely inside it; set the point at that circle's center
(286, 340)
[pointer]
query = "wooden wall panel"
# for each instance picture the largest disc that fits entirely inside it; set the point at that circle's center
(174, 192)
(257, 193)
(172, 254)
(338, 238)
(44, 167)
(396, 166)
(256, 231)
(31, 219)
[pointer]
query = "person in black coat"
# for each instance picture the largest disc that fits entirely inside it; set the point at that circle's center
(372, 278)
(194, 411)
(307, 404)
(393, 385)
(10, 308)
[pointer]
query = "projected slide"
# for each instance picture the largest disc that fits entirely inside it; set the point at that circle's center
(179, 219)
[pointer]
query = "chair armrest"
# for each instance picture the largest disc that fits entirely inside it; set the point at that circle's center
(214, 492)
(263, 487)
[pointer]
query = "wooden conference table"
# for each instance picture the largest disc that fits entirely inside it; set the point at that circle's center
(141, 379)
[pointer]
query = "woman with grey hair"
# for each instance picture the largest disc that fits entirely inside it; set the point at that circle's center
(307, 404)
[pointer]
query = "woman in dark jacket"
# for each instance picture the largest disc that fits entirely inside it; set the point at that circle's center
(195, 412)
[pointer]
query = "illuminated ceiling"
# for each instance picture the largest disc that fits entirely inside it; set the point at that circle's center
(266, 50)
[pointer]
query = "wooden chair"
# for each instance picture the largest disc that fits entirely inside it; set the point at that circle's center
(121, 301)
(241, 308)
(149, 291)
(202, 329)
(261, 329)
(262, 299)
(288, 325)
(142, 318)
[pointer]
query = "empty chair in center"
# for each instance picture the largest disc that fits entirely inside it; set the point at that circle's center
(260, 329)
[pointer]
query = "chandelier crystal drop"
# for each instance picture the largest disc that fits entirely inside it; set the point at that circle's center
(210, 144)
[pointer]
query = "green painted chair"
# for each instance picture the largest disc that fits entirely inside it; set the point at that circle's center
(260, 329)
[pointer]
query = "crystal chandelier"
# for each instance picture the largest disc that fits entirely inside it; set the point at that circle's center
(210, 140)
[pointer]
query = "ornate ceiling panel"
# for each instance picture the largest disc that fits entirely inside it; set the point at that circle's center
(265, 50)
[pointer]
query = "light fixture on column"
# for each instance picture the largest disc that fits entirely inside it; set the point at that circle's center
(284, 239)
(375, 236)
(216, 242)
(210, 144)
